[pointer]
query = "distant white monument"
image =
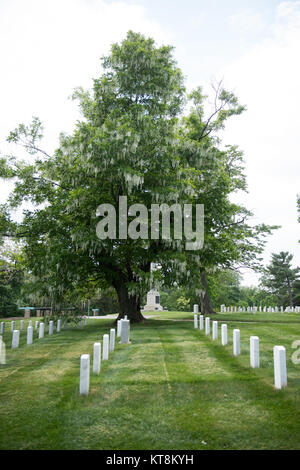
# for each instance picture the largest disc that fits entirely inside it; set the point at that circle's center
(153, 300)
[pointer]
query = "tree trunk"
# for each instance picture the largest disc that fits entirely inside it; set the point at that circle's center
(290, 292)
(205, 304)
(129, 305)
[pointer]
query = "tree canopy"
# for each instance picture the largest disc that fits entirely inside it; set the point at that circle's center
(132, 141)
(280, 278)
(298, 208)
(11, 279)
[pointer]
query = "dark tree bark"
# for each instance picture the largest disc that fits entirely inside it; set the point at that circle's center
(205, 303)
(129, 305)
(290, 292)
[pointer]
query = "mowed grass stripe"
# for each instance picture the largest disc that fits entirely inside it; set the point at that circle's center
(37, 378)
(269, 336)
(278, 410)
(55, 382)
(233, 412)
(187, 358)
(149, 415)
(172, 388)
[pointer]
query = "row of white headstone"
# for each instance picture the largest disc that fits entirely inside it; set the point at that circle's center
(279, 352)
(22, 324)
(123, 331)
(41, 332)
(254, 309)
(12, 326)
(40, 326)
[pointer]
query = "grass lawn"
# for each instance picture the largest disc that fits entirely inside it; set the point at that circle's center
(172, 388)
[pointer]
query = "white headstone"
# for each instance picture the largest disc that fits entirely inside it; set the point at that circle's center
(51, 327)
(30, 323)
(2, 328)
(280, 374)
(196, 308)
(236, 342)
(84, 374)
(254, 351)
(58, 325)
(105, 347)
(112, 337)
(97, 358)
(15, 339)
(22, 325)
(29, 335)
(12, 326)
(214, 330)
(119, 324)
(2, 352)
(196, 321)
(41, 330)
(207, 325)
(201, 322)
(36, 324)
(224, 335)
(125, 331)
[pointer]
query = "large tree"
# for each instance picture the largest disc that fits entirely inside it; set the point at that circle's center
(298, 209)
(280, 278)
(231, 241)
(131, 142)
(11, 279)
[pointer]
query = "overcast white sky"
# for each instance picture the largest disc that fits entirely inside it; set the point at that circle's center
(49, 47)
